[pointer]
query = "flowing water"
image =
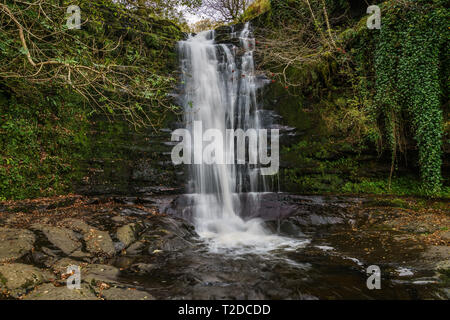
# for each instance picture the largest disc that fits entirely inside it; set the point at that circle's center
(257, 243)
(220, 92)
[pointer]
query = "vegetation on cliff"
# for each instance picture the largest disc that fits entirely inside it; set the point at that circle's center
(370, 103)
(371, 106)
(52, 80)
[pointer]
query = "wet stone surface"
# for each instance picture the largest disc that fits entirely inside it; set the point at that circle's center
(132, 250)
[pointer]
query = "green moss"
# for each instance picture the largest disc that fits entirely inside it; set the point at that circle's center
(45, 129)
(354, 107)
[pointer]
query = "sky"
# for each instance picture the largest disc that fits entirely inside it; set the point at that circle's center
(190, 17)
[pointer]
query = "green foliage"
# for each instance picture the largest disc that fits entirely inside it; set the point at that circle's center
(258, 7)
(124, 61)
(41, 148)
(408, 63)
(383, 92)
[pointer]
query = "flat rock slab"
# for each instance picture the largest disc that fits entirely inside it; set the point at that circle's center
(49, 292)
(97, 242)
(99, 273)
(437, 253)
(61, 265)
(18, 277)
(15, 243)
(76, 224)
(63, 238)
(126, 294)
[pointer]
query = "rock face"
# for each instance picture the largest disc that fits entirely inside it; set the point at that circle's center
(63, 238)
(14, 243)
(17, 277)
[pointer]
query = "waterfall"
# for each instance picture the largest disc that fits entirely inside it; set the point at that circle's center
(220, 92)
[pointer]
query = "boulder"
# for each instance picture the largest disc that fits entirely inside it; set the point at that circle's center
(127, 234)
(99, 273)
(99, 243)
(63, 238)
(15, 243)
(17, 278)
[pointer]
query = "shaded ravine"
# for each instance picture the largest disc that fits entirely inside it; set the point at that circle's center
(153, 246)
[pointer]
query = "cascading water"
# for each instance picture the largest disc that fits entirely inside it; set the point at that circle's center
(220, 89)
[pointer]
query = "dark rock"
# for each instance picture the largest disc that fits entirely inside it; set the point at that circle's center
(63, 238)
(15, 243)
(17, 278)
(126, 294)
(127, 234)
(50, 292)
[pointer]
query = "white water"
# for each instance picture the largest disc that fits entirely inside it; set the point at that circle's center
(220, 90)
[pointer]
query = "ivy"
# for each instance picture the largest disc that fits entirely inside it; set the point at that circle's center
(408, 58)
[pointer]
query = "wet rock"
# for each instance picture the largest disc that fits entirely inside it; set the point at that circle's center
(15, 243)
(286, 227)
(317, 220)
(125, 200)
(18, 278)
(142, 268)
(99, 273)
(135, 249)
(144, 172)
(127, 234)
(50, 292)
(161, 190)
(63, 238)
(133, 212)
(172, 244)
(119, 246)
(168, 235)
(126, 294)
